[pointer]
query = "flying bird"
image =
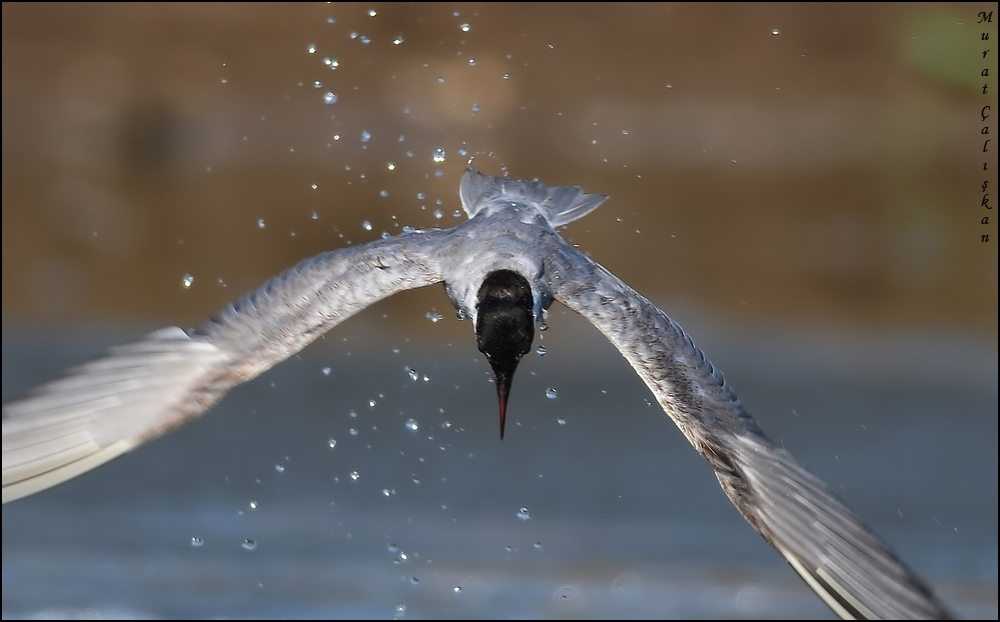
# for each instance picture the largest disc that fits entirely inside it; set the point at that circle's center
(501, 268)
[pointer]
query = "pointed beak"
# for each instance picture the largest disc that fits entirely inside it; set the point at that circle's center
(503, 390)
(504, 328)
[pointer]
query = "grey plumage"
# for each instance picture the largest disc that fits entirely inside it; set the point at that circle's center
(136, 392)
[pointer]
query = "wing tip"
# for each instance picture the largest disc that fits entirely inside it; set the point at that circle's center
(22, 486)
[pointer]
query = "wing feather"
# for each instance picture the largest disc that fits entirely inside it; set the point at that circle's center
(101, 409)
(139, 391)
(847, 565)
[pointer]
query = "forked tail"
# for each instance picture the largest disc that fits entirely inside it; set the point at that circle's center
(559, 204)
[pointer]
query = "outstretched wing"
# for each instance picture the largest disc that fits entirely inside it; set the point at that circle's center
(839, 557)
(136, 392)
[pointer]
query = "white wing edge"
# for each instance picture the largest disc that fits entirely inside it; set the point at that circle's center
(90, 457)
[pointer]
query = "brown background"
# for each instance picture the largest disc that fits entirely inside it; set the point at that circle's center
(827, 173)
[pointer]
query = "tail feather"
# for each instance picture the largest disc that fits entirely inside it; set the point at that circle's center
(560, 204)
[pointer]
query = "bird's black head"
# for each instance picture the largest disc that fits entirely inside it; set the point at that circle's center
(505, 326)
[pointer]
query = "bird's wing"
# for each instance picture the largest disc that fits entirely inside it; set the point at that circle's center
(136, 392)
(839, 557)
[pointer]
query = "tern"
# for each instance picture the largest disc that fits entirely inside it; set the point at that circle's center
(501, 268)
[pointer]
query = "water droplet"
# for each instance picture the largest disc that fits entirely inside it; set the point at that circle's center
(355, 475)
(523, 514)
(392, 548)
(472, 62)
(197, 542)
(249, 544)
(538, 545)
(326, 371)
(365, 136)
(414, 581)
(506, 76)
(464, 27)
(475, 108)
(561, 421)
(317, 84)
(365, 40)
(279, 468)
(253, 505)
(311, 48)
(371, 403)
(353, 431)
(543, 326)
(437, 214)
(566, 596)
(331, 443)
(353, 414)
(775, 31)
(372, 13)
(400, 609)
(624, 132)
(332, 63)
(314, 216)
(434, 316)
(457, 589)
(412, 373)
(367, 226)
(438, 155)
(541, 351)
(440, 79)
(551, 393)
(398, 40)
(329, 97)
(331, 20)
(187, 281)
(386, 492)
(411, 423)
(390, 166)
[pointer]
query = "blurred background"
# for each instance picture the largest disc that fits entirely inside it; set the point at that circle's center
(797, 184)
